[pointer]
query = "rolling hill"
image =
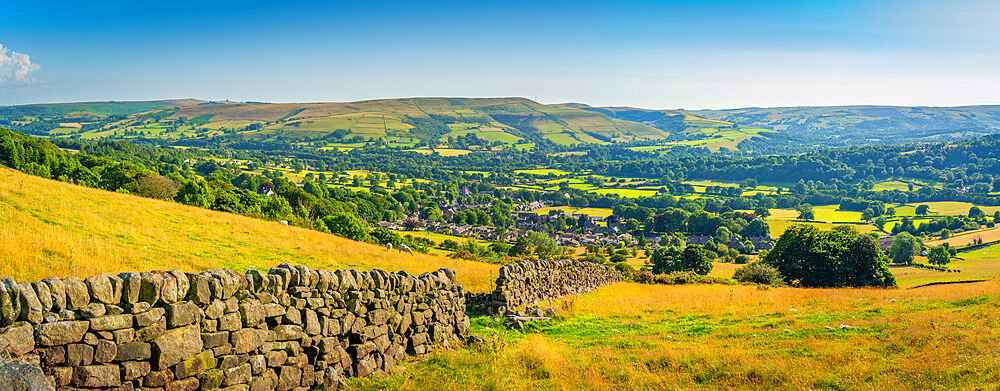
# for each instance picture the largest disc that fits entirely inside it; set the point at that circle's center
(408, 121)
(854, 125)
(50, 228)
(684, 127)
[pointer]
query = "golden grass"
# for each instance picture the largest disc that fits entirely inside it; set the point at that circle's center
(633, 336)
(49, 228)
(965, 239)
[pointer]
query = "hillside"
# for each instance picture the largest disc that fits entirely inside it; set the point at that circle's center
(409, 121)
(685, 128)
(853, 125)
(50, 228)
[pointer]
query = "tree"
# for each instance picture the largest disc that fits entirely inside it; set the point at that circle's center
(696, 259)
(939, 256)
(759, 273)
(195, 193)
(922, 210)
(976, 213)
(808, 256)
(805, 212)
(762, 212)
(757, 227)
(666, 259)
(520, 248)
(383, 236)
(156, 186)
(880, 223)
(347, 225)
(903, 248)
(722, 235)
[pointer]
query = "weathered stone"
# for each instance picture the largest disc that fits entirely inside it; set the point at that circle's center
(292, 316)
(189, 384)
(101, 289)
(92, 310)
(288, 332)
(289, 378)
(78, 354)
(247, 340)
(175, 346)
(43, 294)
(150, 287)
(31, 307)
(195, 365)
(105, 351)
(18, 339)
(58, 291)
(61, 333)
(97, 376)
(133, 351)
(212, 340)
(182, 314)
(200, 290)
(53, 356)
(111, 322)
(274, 309)
(90, 339)
(149, 317)
(9, 303)
(230, 322)
(276, 358)
(152, 331)
(123, 336)
(133, 370)
(237, 375)
(232, 360)
(157, 378)
(311, 323)
(19, 375)
(131, 285)
(258, 364)
(251, 313)
(77, 295)
(61, 376)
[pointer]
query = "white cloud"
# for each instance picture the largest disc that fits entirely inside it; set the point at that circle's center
(14, 67)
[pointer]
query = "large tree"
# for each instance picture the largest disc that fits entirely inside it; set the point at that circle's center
(903, 248)
(809, 256)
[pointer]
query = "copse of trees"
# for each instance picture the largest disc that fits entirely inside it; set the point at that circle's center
(810, 257)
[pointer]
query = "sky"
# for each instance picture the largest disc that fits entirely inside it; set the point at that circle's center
(650, 54)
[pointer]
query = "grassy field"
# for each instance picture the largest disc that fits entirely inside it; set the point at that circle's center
(633, 336)
(49, 228)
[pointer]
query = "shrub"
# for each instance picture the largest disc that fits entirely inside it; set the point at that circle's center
(759, 273)
(625, 268)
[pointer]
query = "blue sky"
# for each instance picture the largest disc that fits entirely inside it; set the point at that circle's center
(669, 54)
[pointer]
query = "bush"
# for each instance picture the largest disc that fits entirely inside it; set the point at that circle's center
(759, 273)
(625, 268)
(741, 259)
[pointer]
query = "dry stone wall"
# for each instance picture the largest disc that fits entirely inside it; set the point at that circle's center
(292, 328)
(525, 283)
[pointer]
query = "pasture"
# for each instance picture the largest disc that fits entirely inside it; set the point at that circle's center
(635, 336)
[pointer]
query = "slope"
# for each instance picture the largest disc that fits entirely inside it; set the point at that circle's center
(852, 125)
(50, 228)
(684, 128)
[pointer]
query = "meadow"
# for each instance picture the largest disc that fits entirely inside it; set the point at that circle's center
(633, 336)
(50, 228)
